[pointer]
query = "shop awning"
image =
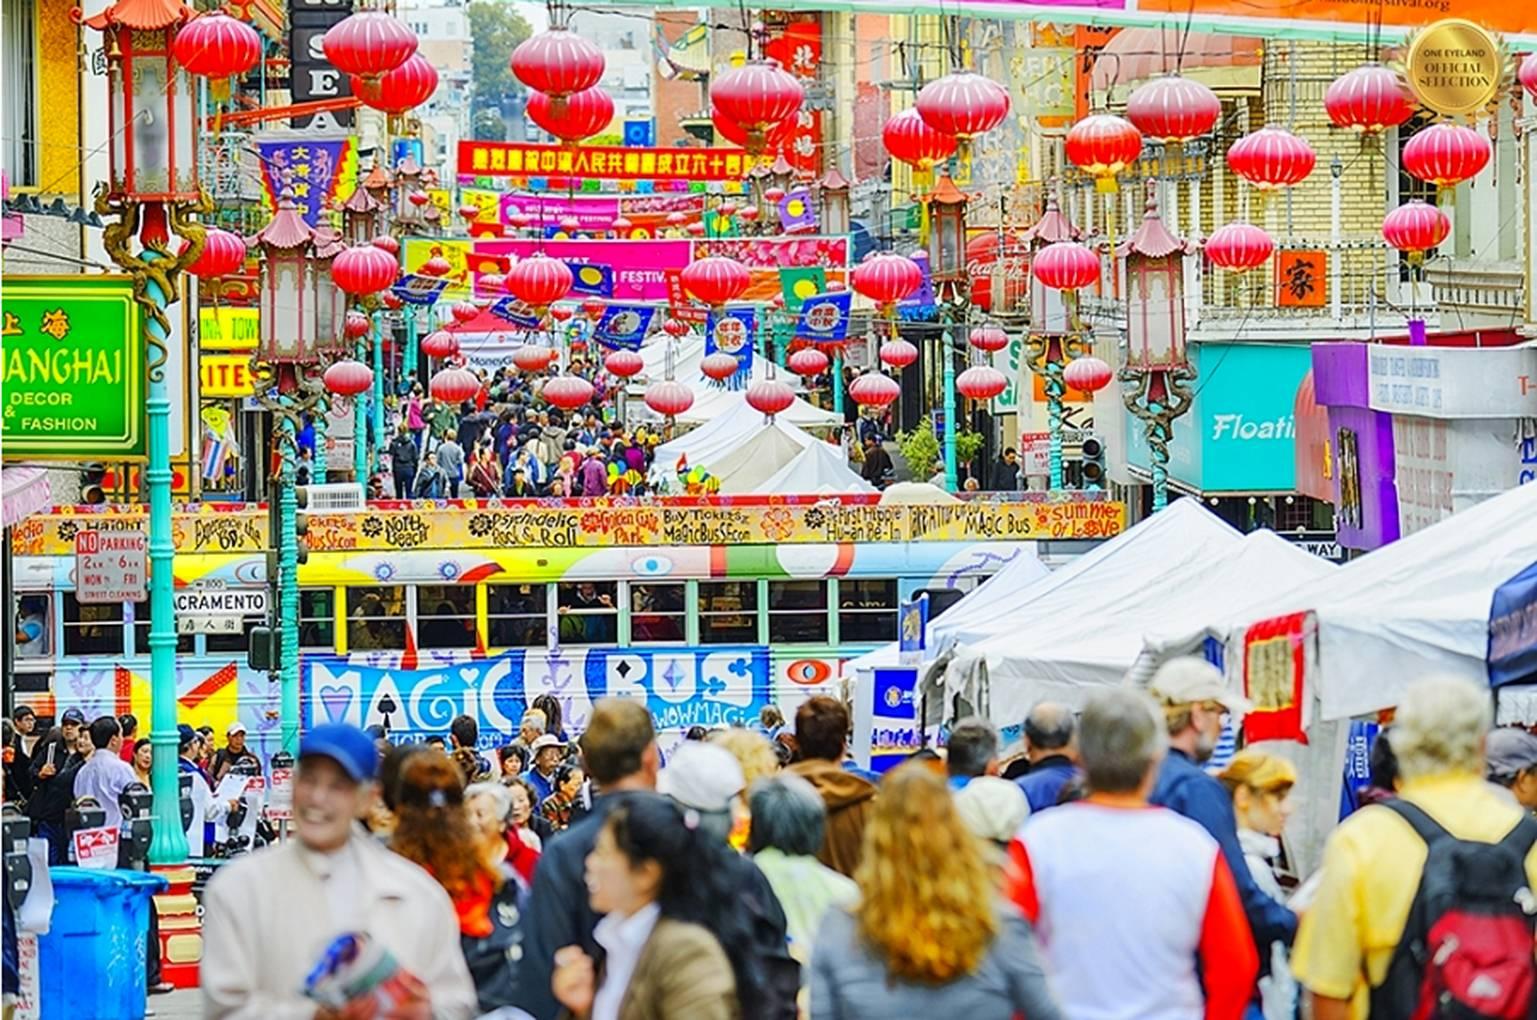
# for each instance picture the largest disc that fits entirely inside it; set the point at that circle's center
(23, 492)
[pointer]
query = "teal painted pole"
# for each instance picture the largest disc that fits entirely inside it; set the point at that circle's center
(360, 429)
(413, 351)
(378, 393)
(951, 425)
(1158, 457)
(168, 844)
(318, 471)
(838, 383)
(1056, 389)
(288, 590)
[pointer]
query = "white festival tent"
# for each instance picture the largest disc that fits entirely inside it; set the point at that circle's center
(819, 469)
(712, 400)
(713, 445)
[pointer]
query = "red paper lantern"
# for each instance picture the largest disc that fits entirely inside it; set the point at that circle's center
(363, 269)
(578, 116)
(216, 45)
(989, 338)
(675, 328)
(464, 311)
(621, 225)
(773, 195)
(773, 139)
(1415, 227)
(1446, 154)
(356, 325)
(747, 214)
(440, 344)
(405, 88)
(887, 278)
(676, 219)
(719, 367)
(726, 208)
(492, 283)
(594, 308)
(435, 266)
(469, 213)
(695, 229)
(1102, 144)
(560, 313)
(348, 378)
(1271, 158)
(1087, 374)
(757, 98)
(386, 243)
(908, 137)
(715, 280)
(1065, 265)
(1173, 109)
(520, 220)
(557, 62)
(568, 392)
(533, 357)
(807, 361)
(539, 281)
(454, 385)
(390, 300)
(570, 224)
(368, 44)
(981, 382)
(223, 253)
(1238, 247)
(624, 363)
(898, 353)
(419, 198)
(874, 389)
(669, 398)
(963, 105)
(770, 396)
(1527, 76)
(1368, 99)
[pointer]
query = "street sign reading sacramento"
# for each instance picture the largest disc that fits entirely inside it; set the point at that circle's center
(72, 369)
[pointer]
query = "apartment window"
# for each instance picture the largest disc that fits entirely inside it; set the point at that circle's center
(517, 615)
(797, 612)
(376, 618)
(728, 612)
(19, 96)
(445, 616)
(867, 610)
(317, 618)
(657, 613)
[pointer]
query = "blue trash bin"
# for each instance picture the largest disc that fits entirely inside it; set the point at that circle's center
(91, 964)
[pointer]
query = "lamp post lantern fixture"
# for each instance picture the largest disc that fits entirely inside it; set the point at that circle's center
(1157, 375)
(1056, 334)
(947, 264)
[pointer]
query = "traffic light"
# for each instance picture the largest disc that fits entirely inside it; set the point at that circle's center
(93, 484)
(301, 521)
(1093, 470)
(264, 653)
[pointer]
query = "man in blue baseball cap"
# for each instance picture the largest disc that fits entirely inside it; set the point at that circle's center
(269, 917)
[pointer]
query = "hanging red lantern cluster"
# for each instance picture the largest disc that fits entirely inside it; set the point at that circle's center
(1087, 374)
(963, 105)
(369, 44)
(1446, 154)
(1102, 145)
(1369, 99)
(356, 325)
(756, 98)
(898, 353)
(580, 115)
(215, 45)
(1415, 227)
(981, 382)
(675, 328)
(533, 357)
(886, 278)
(624, 363)
(770, 396)
(669, 398)
(568, 392)
(1271, 158)
(558, 63)
(1173, 109)
(1238, 247)
(464, 311)
(808, 361)
(908, 137)
(715, 280)
(539, 281)
(440, 344)
(395, 92)
(223, 253)
(718, 366)
(363, 269)
(874, 389)
(348, 378)
(988, 338)
(1065, 265)
(453, 385)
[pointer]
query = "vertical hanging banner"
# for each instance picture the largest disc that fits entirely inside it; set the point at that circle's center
(824, 318)
(732, 333)
(315, 169)
(798, 48)
(310, 74)
(1274, 675)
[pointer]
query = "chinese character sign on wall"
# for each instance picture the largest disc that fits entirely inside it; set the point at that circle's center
(1302, 278)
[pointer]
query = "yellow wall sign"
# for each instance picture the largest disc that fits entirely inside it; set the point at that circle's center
(224, 375)
(1455, 66)
(228, 329)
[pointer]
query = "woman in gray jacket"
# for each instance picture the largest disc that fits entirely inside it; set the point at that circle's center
(930, 936)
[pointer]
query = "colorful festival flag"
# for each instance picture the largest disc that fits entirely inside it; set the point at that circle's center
(515, 311)
(416, 289)
(796, 213)
(624, 326)
(824, 318)
(732, 332)
(800, 283)
(312, 170)
(591, 278)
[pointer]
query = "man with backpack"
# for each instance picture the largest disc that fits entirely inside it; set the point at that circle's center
(1425, 906)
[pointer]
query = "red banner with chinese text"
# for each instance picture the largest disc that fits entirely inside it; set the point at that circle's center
(1274, 665)
(614, 163)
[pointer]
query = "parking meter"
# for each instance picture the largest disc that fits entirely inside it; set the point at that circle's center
(85, 813)
(138, 826)
(14, 829)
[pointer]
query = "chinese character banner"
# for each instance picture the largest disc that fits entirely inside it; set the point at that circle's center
(315, 170)
(516, 159)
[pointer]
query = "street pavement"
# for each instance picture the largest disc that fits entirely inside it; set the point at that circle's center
(182, 1004)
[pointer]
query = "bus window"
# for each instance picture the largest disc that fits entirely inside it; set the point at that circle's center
(92, 629)
(445, 615)
(317, 618)
(657, 612)
(376, 618)
(797, 611)
(589, 613)
(517, 615)
(141, 617)
(728, 612)
(34, 627)
(867, 610)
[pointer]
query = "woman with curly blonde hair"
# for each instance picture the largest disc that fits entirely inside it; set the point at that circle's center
(930, 936)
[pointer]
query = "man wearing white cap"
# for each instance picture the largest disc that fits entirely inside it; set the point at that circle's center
(548, 750)
(232, 752)
(707, 780)
(1195, 699)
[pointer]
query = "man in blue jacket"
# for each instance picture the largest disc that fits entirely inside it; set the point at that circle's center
(1194, 699)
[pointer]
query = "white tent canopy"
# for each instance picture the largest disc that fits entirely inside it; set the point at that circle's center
(711, 401)
(711, 443)
(759, 457)
(819, 469)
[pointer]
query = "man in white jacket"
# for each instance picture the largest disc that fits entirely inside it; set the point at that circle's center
(205, 806)
(269, 918)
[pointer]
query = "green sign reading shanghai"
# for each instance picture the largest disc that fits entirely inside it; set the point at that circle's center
(72, 369)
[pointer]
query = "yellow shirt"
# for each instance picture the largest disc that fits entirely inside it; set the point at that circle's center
(1371, 871)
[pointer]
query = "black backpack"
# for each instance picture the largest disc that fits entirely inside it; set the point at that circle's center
(1467, 947)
